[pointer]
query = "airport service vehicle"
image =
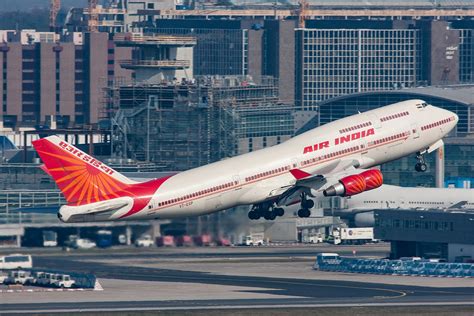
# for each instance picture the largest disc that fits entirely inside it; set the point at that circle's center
(361, 207)
(144, 241)
(104, 238)
(84, 243)
(44, 279)
(3, 277)
(16, 261)
(184, 241)
(313, 238)
(326, 258)
(18, 277)
(354, 236)
(203, 240)
(330, 160)
(254, 239)
(165, 241)
(62, 281)
(50, 238)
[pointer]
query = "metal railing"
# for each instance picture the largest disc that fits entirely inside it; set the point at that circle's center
(396, 267)
(13, 201)
(156, 63)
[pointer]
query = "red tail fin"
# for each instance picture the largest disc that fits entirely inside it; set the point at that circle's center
(81, 178)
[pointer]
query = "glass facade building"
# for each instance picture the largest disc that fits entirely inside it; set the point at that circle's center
(218, 51)
(335, 62)
(466, 56)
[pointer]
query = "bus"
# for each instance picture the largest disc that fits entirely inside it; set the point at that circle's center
(16, 261)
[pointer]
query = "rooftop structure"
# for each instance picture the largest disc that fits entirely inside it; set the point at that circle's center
(158, 58)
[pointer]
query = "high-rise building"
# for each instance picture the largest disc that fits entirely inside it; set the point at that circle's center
(60, 79)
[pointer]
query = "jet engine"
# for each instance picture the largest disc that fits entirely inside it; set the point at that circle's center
(356, 183)
(347, 186)
(373, 179)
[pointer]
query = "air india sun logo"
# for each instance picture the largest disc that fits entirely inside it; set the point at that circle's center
(80, 177)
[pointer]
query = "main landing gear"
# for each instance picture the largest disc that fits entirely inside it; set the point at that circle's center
(267, 210)
(421, 164)
(305, 206)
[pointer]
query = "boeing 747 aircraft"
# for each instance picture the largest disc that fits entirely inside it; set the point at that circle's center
(360, 208)
(333, 160)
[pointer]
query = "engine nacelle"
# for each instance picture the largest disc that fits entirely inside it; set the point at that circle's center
(373, 179)
(366, 219)
(347, 186)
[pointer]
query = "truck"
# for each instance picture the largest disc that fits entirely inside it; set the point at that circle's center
(50, 238)
(104, 238)
(353, 236)
(254, 239)
(313, 238)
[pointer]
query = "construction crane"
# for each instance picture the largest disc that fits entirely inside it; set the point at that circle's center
(302, 13)
(55, 6)
(93, 24)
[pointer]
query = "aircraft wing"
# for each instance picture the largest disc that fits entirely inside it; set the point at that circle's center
(305, 182)
(459, 204)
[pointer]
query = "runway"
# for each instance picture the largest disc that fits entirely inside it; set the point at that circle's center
(229, 278)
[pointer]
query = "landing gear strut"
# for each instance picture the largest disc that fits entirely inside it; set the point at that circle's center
(305, 206)
(267, 210)
(421, 164)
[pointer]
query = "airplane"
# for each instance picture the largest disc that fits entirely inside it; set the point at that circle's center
(319, 162)
(360, 208)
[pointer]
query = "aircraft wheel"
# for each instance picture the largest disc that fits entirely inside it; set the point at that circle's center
(307, 204)
(421, 167)
(303, 212)
(253, 215)
(279, 211)
(269, 216)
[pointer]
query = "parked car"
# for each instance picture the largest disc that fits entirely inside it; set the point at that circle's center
(84, 243)
(144, 241)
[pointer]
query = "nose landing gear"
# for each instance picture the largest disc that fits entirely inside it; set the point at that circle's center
(420, 166)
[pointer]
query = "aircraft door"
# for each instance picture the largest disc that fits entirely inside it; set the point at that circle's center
(374, 119)
(236, 182)
(415, 131)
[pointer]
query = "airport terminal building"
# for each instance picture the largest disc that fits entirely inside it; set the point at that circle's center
(444, 234)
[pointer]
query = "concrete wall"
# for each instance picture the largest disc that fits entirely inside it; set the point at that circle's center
(444, 54)
(96, 68)
(47, 104)
(456, 250)
(255, 62)
(66, 87)
(14, 77)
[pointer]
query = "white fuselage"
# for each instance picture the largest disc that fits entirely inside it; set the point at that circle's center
(395, 197)
(370, 138)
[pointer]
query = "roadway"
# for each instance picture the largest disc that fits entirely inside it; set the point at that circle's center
(230, 278)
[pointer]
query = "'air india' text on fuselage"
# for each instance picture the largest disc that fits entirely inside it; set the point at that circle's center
(339, 140)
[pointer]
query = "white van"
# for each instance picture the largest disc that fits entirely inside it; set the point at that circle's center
(16, 261)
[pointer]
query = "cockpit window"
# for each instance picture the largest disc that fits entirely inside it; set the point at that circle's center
(421, 105)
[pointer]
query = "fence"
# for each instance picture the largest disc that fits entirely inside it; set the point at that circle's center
(395, 267)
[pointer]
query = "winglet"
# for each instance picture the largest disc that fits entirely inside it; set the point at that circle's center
(299, 174)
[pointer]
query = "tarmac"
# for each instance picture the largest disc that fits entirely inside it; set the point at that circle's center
(173, 279)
